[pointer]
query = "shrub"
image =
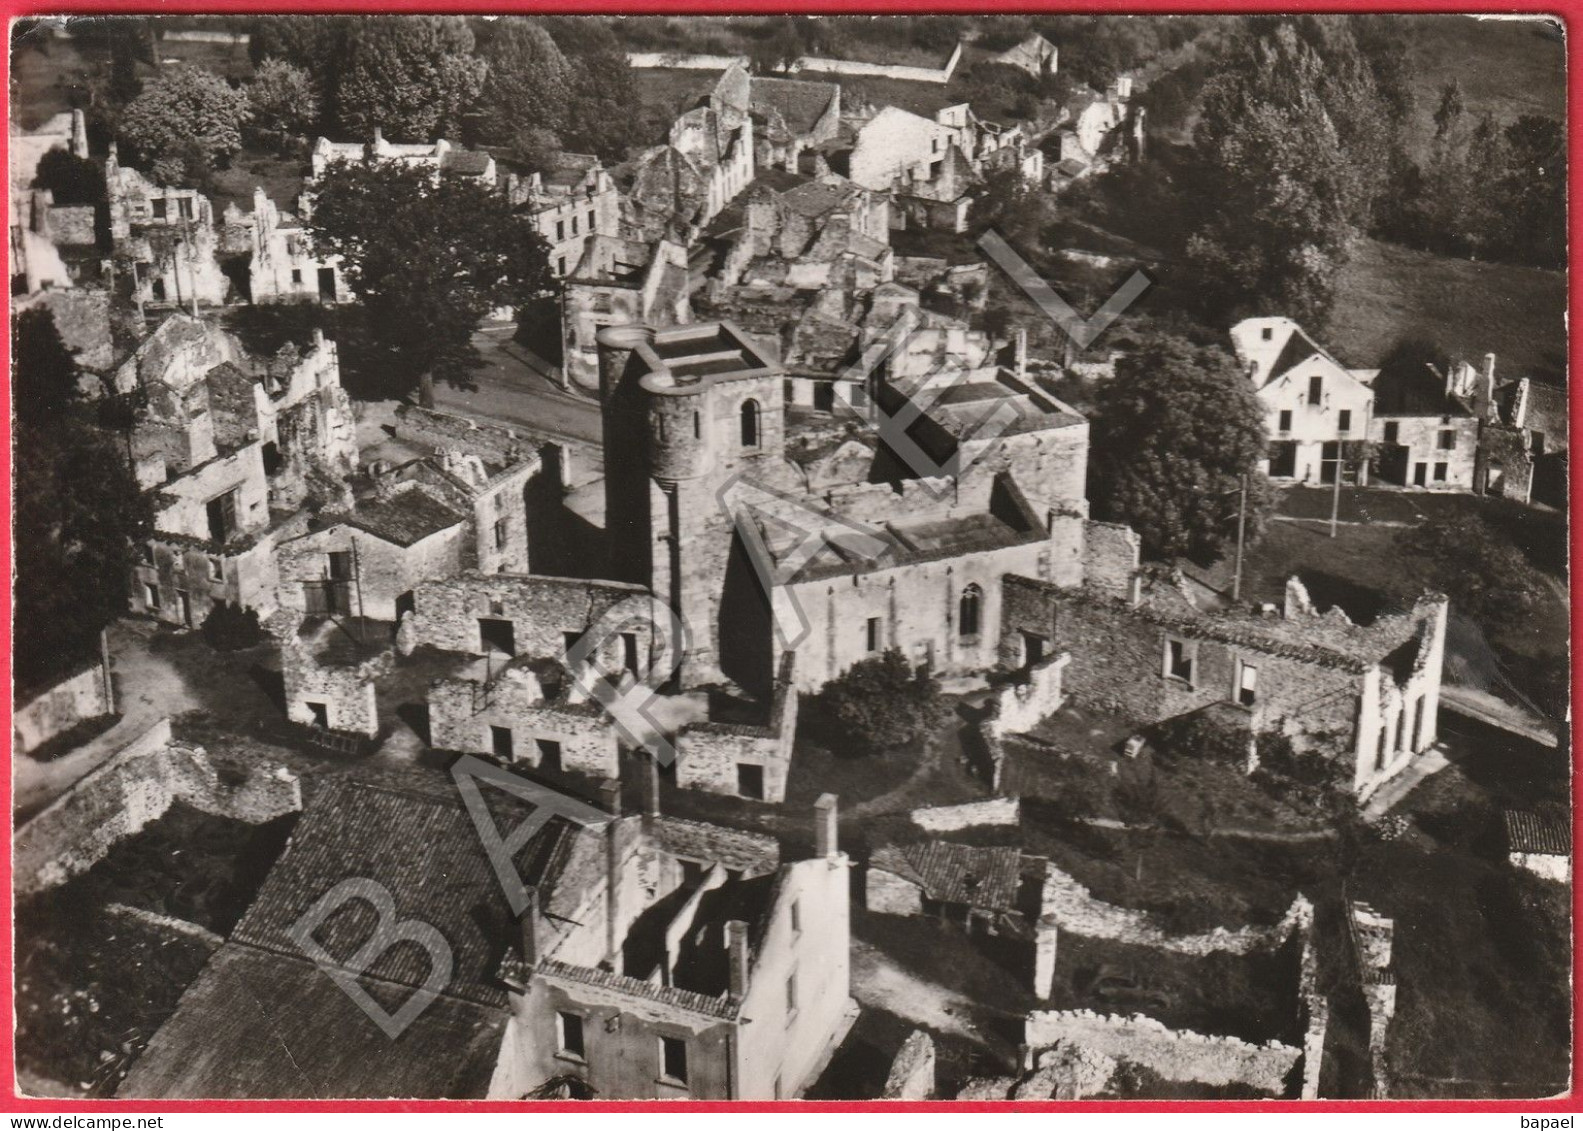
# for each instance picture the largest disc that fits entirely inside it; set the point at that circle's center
(230, 628)
(880, 704)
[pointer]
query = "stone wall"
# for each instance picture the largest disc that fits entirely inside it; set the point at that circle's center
(1073, 908)
(344, 691)
(708, 754)
(948, 818)
(856, 69)
(1110, 556)
(912, 1072)
(890, 894)
(1020, 706)
(75, 699)
(1177, 1055)
(134, 787)
(464, 712)
(683, 61)
(543, 612)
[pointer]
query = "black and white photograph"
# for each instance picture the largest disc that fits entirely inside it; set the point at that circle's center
(1000, 557)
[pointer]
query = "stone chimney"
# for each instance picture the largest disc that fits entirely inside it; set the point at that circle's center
(610, 796)
(379, 139)
(1020, 353)
(1045, 939)
(529, 922)
(652, 800)
(825, 838)
(737, 957)
(1484, 399)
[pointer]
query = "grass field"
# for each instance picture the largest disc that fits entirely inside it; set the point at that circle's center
(1506, 68)
(1387, 293)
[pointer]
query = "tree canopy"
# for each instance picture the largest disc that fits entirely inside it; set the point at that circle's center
(428, 257)
(283, 101)
(77, 510)
(880, 704)
(185, 118)
(1172, 435)
(413, 77)
(70, 179)
(529, 80)
(1278, 190)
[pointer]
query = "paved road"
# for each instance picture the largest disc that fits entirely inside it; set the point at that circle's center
(512, 391)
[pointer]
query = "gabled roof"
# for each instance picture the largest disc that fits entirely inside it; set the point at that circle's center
(984, 878)
(425, 851)
(1414, 390)
(260, 1025)
(404, 519)
(798, 103)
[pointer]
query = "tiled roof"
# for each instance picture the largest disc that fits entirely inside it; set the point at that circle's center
(1528, 831)
(260, 1025)
(1413, 390)
(403, 519)
(985, 878)
(723, 1007)
(800, 104)
(425, 851)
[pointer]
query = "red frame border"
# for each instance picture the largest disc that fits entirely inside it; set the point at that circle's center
(1567, 12)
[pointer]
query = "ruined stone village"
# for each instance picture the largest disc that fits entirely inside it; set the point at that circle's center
(1161, 826)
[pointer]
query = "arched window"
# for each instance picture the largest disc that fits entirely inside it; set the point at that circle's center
(967, 619)
(750, 424)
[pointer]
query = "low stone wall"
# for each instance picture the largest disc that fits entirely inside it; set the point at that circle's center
(1072, 907)
(878, 70)
(682, 61)
(75, 699)
(1317, 1007)
(1178, 1055)
(912, 1072)
(948, 818)
(134, 787)
(1019, 707)
(890, 894)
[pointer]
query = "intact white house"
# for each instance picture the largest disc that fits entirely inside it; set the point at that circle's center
(1313, 403)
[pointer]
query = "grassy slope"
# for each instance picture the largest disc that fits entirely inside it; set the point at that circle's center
(1387, 293)
(1506, 68)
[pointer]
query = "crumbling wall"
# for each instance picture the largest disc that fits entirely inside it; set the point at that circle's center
(1020, 706)
(75, 699)
(543, 611)
(1110, 556)
(134, 787)
(462, 713)
(912, 1072)
(346, 691)
(891, 894)
(1073, 908)
(949, 818)
(708, 753)
(1177, 1055)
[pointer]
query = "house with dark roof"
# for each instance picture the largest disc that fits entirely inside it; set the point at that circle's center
(429, 518)
(980, 888)
(1318, 411)
(1425, 433)
(279, 1014)
(791, 116)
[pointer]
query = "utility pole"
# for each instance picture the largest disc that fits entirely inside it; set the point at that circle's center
(1335, 498)
(1242, 526)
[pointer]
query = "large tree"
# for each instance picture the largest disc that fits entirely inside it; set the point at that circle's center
(529, 80)
(413, 77)
(604, 114)
(283, 100)
(428, 258)
(1173, 433)
(77, 510)
(1278, 192)
(185, 119)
